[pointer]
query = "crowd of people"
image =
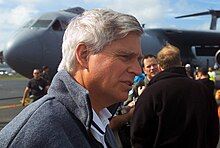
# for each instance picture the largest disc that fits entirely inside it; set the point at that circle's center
(207, 76)
(92, 100)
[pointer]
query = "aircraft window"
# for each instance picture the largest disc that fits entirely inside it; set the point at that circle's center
(42, 23)
(64, 24)
(28, 24)
(57, 26)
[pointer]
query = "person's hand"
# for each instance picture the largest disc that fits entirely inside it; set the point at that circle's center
(23, 102)
(131, 104)
(140, 90)
(131, 112)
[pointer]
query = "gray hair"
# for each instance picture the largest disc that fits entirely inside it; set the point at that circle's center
(95, 28)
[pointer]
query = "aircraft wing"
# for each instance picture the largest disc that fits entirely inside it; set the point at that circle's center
(192, 44)
(189, 37)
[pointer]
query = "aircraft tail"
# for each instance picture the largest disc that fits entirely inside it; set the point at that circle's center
(214, 13)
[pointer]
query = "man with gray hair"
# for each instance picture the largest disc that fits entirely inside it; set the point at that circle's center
(101, 49)
(174, 111)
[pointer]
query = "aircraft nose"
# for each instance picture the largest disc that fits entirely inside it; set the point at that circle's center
(23, 53)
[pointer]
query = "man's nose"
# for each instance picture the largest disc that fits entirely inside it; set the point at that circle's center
(136, 69)
(151, 67)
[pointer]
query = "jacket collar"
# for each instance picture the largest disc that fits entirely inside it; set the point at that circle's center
(73, 96)
(169, 73)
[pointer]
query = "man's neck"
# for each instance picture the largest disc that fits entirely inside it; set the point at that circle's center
(149, 78)
(96, 105)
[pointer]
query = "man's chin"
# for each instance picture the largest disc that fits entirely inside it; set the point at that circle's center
(121, 95)
(123, 98)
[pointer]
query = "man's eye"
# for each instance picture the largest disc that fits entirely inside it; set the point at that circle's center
(125, 57)
(149, 66)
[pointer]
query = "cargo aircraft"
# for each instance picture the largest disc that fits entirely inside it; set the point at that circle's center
(39, 42)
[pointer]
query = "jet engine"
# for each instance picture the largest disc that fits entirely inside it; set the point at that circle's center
(217, 57)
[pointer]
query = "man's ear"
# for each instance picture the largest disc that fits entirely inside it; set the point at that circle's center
(82, 54)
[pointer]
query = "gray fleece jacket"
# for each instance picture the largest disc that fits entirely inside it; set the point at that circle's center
(62, 118)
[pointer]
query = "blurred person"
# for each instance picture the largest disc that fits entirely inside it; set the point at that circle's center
(188, 71)
(100, 53)
(217, 94)
(211, 74)
(121, 122)
(45, 74)
(150, 68)
(217, 98)
(195, 74)
(138, 82)
(203, 77)
(216, 66)
(36, 88)
(174, 111)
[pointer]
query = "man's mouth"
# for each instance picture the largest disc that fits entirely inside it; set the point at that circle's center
(129, 83)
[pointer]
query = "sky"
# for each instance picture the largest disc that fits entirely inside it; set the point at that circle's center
(152, 13)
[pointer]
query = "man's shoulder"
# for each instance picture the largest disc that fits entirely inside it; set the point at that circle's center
(46, 108)
(169, 84)
(31, 80)
(36, 81)
(50, 109)
(42, 119)
(42, 79)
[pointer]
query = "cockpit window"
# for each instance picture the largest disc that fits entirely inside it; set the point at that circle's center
(57, 26)
(28, 24)
(41, 23)
(64, 24)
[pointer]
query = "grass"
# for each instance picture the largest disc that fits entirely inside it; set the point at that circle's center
(12, 77)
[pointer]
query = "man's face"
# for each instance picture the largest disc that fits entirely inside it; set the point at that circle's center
(36, 74)
(151, 67)
(199, 75)
(111, 71)
(46, 70)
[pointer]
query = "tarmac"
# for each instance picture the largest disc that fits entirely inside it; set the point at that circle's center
(11, 92)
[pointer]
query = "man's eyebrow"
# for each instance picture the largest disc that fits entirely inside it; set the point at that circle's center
(126, 52)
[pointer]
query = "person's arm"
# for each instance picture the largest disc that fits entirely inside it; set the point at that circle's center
(25, 95)
(46, 88)
(119, 120)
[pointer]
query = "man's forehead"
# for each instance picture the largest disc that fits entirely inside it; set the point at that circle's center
(150, 60)
(129, 51)
(36, 70)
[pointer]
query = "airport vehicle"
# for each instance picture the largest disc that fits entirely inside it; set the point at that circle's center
(38, 43)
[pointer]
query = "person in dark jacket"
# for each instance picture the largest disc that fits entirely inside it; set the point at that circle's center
(100, 53)
(174, 111)
(203, 77)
